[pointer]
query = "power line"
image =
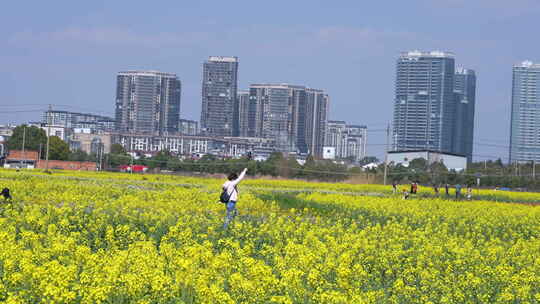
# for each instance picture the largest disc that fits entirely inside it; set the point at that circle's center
(22, 105)
(20, 111)
(225, 163)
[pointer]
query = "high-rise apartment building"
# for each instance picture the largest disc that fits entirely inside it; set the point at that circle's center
(349, 141)
(465, 94)
(317, 107)
(243, 113)
(336, 131)
(188, 127)
(219, 114)
(294, 116)
(74, 120)
(424, 104)
(273, 116)
(525, 119)
(147, 102)
(356, 142)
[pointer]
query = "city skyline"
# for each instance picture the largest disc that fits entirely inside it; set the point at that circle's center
(461, 91)
(351, 54)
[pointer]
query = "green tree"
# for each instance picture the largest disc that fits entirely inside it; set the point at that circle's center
(160, 160)
(418, 164)
(368, 160)
(117, 149)
(289, 167)
(116, 160)
(310, 168)
(174, 164)
(78, 155)
(34, 138)
(438, 172)
(271, 165)
(58, 149)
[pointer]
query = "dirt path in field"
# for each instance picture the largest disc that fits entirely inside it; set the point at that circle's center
(534, 204)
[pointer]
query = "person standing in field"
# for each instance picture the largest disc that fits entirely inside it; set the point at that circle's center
(405, 194)
(447, 189)
(469, 192)
(394, 187)
(230, 188)
(458, 191)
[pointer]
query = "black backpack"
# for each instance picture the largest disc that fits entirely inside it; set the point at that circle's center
(5, 193)
(225, 197)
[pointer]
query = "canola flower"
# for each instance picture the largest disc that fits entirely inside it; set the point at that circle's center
(76, 237)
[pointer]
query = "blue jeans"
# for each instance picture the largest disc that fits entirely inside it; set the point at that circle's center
(231, 213)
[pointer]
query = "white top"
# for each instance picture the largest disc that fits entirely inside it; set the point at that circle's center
(223, 59)
(230, 186)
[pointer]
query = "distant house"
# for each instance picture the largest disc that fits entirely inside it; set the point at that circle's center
(21, 159)
(134, 168)
(452, 161)
(30, 160)
(370, 166)
(67, 165)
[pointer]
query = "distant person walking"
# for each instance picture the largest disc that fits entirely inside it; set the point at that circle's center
(447, 189)
(230, 191)
(469, 192)
(436, 189)
(394, 187)
(415, 188)
(458, 191)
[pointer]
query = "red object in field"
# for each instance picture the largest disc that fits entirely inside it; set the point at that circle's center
(136, 168)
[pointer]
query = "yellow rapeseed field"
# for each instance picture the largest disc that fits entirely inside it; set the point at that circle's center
(120, 238)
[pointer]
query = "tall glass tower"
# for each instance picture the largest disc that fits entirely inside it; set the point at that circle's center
(219, 114)
(424, 104)
(465, 94)
(147, 102)
(243, 113)
(525, 121)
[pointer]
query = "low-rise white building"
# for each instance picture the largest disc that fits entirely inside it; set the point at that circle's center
(329, 152)
(451, 161)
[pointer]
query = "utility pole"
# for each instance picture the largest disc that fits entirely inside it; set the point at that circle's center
(534, 169)
(48, 137)
(101, 157)
(386, 153)
(23, 142)
(131, 161)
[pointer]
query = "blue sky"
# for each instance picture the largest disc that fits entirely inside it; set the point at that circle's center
(68, 52)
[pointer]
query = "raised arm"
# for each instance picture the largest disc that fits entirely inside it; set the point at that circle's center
(236, 181)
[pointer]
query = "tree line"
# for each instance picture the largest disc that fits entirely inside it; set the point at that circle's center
(492, 173)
